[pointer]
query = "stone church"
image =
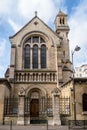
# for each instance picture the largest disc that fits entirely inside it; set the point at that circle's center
(32, 89)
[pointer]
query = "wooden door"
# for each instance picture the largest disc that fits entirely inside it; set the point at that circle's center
(34, 108)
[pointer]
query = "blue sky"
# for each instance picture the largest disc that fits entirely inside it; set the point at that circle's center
(14, 14)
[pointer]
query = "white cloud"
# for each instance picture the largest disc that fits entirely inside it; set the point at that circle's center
(25, 9)
(46, 8)
(3, 57)
(78, 32)
(5, 6)
(15, 26)
(2, 47)
(18, 12)
(2, 70)
(1, 67)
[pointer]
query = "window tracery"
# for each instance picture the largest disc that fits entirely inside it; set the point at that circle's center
(35, 52)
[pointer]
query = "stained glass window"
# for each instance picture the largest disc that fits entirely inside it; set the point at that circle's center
(35, 56)
(43, 56)
(27, 56)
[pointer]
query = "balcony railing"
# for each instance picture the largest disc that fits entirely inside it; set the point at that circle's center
(35, 76)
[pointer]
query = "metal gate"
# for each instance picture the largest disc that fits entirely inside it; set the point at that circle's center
(35, 112)
(44, 109)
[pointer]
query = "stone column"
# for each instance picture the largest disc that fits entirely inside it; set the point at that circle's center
(31, 58)
(39, 59)
(12, 61)
(56, 111)
(20, 120)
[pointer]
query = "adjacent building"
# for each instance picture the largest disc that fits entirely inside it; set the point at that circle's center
(81, 71)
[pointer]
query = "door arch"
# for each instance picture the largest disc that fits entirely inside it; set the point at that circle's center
(34, 108)
(34, 104)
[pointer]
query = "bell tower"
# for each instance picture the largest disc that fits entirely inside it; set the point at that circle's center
(61, 26)
(63, 56)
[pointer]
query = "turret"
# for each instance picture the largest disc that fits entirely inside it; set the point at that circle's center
(64, 64)
(61, 26)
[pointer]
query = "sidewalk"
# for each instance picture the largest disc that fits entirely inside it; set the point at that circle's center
(33, 127)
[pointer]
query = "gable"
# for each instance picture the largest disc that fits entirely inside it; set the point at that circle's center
(35, 26)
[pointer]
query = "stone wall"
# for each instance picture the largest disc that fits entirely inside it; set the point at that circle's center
(4, 92)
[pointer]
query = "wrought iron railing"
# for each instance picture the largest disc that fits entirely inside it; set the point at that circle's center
(10, 106)
(45, 106)
(65, 106)
(77, 124)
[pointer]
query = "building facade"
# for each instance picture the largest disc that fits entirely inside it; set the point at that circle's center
(39, 66)
(81, 72)
(78, 103)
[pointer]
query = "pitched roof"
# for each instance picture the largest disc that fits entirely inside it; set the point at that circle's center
(61, 13)
(29, 23)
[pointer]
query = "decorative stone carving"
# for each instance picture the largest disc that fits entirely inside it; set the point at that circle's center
(21, 92)
(56, 91)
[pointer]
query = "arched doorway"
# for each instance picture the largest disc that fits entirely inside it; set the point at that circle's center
(34, 106)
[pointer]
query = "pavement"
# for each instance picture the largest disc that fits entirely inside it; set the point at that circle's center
(33, 127)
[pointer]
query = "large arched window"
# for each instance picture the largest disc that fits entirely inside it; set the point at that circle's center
(84, 102)
(27, 56)
(43, 56)
(35, 56)
(35, 52)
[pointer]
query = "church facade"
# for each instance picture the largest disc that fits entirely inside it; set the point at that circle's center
(39, 66)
